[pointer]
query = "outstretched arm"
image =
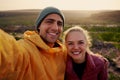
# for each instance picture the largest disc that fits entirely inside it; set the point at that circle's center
(10, 57)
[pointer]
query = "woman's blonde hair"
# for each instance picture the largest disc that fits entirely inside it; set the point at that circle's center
(80, 29)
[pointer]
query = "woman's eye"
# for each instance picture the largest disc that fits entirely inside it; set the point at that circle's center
(80, 42)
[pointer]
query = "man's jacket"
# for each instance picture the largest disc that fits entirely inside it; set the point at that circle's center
(30, 58)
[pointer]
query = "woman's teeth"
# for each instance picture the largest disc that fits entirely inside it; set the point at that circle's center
(76, 52)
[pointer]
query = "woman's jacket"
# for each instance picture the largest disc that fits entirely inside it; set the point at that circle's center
(96, 68)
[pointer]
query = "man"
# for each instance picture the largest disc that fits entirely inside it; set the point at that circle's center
(39, 55)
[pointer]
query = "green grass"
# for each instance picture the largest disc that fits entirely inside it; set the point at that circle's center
(103, 33)
(106, 36)
(113, 76)
(103, 29)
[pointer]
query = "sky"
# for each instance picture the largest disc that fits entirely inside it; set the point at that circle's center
(61, 4)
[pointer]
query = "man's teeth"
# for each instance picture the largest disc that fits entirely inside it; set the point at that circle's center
(76, 52)
(52, 33)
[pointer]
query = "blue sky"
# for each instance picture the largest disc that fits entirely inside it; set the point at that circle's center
(61, 4)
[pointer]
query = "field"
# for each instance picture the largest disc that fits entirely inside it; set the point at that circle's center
(103, 26)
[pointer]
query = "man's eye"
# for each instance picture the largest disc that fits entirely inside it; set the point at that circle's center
(70, 43)
(60, 23)
(49, 21)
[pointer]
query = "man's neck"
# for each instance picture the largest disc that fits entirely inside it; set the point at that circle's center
(50, 44)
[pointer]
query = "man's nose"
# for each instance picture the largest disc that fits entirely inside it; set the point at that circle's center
(55, 26)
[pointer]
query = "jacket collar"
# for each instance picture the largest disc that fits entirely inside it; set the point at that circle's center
(33, 37)
(90, 65)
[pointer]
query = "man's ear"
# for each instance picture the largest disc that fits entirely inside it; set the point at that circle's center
(38, 29)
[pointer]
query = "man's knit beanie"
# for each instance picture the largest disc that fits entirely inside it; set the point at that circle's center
(45, 12)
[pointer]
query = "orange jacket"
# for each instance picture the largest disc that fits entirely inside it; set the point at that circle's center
(30, 58)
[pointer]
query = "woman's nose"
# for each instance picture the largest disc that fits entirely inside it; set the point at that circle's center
(76, 46)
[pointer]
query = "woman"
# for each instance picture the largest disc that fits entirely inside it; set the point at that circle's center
(83, 64)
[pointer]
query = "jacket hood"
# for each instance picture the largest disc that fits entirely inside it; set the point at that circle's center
(34, 37)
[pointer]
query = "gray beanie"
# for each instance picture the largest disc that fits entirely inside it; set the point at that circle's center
(45, 12)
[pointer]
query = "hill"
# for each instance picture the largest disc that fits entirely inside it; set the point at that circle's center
(28, 17)
(107, 16)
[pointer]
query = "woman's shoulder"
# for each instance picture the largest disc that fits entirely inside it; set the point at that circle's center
(99, 59)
